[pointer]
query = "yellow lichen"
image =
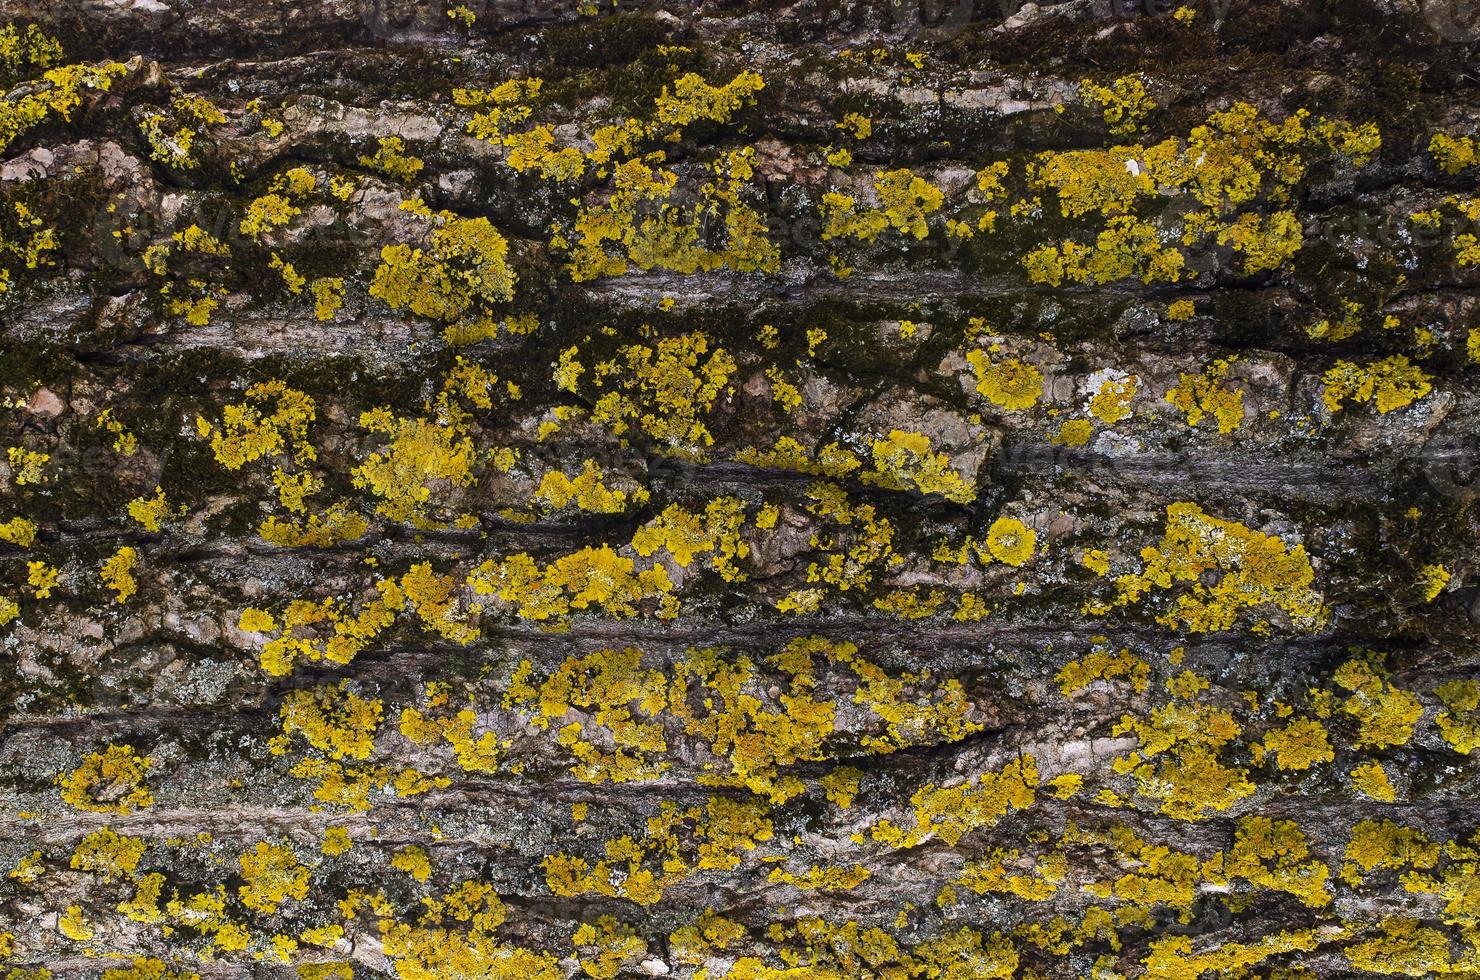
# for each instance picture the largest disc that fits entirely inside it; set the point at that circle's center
(1253, 570)
(952, 812)
(1385, 713)
(1453, 153)
(414, 861)
(1371, 780)
(1009, 384)
(1077, 675)
(1206, 395)
(1298, 745)
(1390, 384)
(110, 781)
(905, 460)
(1010, 541)
(273, 875)
(117, 573)
(149, 512)
(1124, 102)
(109, 854)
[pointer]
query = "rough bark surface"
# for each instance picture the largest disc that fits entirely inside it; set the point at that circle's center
(802, 490)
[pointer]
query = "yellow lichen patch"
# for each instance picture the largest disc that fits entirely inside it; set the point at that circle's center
(1453, 153)
(610, 238)
(1266, 242)
(29, 868)
(692, 99)
(841, 786)
(952, 812)
(110, 781)
(432, 953)
(1177, 759)
(414, 861)
(1403, 947)
(1010, 541)
(636, 221)
(598, 578)
(1077, 675)
(1065, 786)
(273, 876)
(686, 534)
(109, 854)
(172, 135)
(147, 968)
(336, 841)
(911, 603)
(429, 725)
(1207, 396)
(73, 924)
(1458, 723)
(905, 461)
(25, 51)
(1371, 780)
(1298, 745)
(678, 843)
(1073, 432)
(338, 524)
(431, 597)
(862, 545)
(664, 390)
(1123, 103)
(1173, 959)
(304, 623)
(18, 531)
(1111, 401)
(149, 512)
(586, 490)
(33, 245)
(753, 722)
(1389, 384)
(1432, 579)
(26, 466)
(1096, 560)
(248, 432)
(1009, 384)
(1151, 875)
(992, 874)
(57, 93)
(1271, 854)
(460, 278)
(1253, 570)
(1377, 845)
(832, 460)
(906, 200)
(336, 722)
(817, 878)
(392, 160)
(622, 699)
(694, 943)
(612, 946)
(276, 209)
(1126, 248)
(420, 454)
(42, 578)
(758, 740)
(1347, 325)
(328, 296)
(1385, 713)
(1192, 783)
